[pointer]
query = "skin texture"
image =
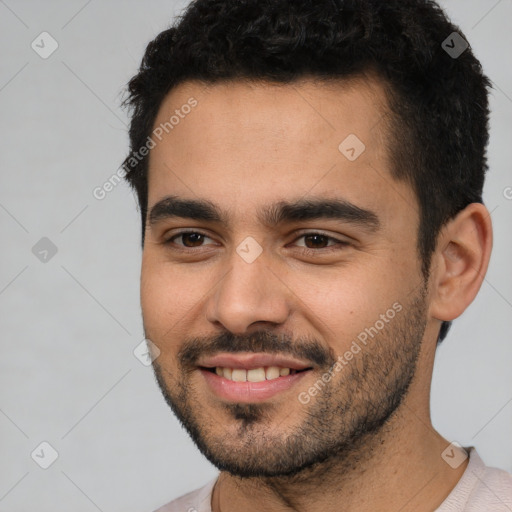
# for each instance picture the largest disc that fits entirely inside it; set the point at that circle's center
(249, 145)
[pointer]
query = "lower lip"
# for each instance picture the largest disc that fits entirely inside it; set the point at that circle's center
(250, 392)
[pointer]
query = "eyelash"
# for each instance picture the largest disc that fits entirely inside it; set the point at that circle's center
(305, 250)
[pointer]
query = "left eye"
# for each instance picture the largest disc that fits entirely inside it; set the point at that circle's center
(313, 240)
(319, 241)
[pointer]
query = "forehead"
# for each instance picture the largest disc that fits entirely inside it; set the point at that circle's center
(242, 144)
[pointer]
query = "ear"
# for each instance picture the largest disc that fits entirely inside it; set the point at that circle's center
(460, 262)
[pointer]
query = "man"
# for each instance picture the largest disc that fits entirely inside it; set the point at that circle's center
(310, 180)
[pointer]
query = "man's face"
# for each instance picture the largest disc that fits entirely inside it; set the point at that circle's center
(303, 256)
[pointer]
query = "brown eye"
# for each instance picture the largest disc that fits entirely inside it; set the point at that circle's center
(192, 239)
(316, 241)
(188, 239)
(318, 244)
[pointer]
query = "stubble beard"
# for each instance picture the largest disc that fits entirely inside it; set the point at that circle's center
(338, 427)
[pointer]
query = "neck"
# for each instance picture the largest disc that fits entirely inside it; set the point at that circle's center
(398, 468)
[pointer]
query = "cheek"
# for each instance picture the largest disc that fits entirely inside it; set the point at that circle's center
(160, 295)
(342, 303)
(164, 314)
(171, 296)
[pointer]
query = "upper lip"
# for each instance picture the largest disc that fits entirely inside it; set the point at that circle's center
(250, 361)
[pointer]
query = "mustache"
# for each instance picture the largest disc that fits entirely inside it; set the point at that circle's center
(305, 348)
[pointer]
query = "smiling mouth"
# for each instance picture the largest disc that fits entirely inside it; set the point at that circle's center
(260, 374)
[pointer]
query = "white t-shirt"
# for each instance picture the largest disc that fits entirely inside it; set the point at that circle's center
(480, 489)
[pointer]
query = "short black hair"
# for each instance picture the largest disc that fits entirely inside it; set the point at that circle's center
(438, 100)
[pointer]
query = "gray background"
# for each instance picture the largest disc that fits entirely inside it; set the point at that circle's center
(69, 325)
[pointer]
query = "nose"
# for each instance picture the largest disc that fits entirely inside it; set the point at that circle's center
(248, 294)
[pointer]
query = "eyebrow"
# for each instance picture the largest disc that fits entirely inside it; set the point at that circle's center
(273, 215)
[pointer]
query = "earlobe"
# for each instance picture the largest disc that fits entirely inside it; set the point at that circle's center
(460, 262)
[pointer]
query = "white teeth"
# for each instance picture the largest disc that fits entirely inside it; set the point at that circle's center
(253, 375)
(256, 375)
(272, 372)
(239, 375)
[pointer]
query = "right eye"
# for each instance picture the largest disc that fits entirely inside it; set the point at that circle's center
(189, 239)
